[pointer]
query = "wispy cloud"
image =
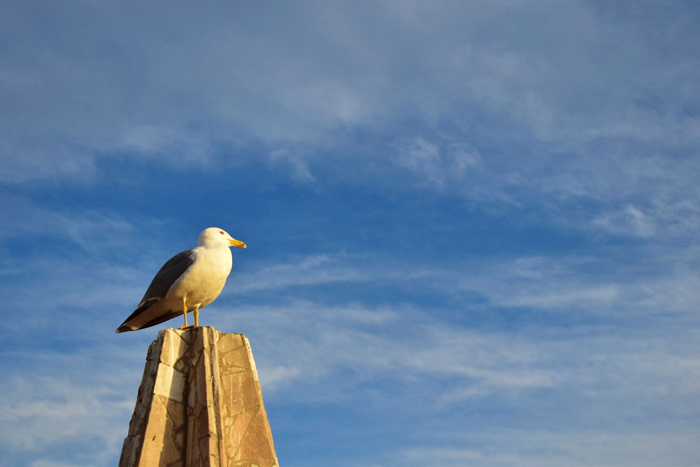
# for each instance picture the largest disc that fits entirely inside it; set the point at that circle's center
(438, 165)
(70, 406)
(320, 340)
(302, 347)
(59, 410)
(88, 229)
(552, 284)
(312, 270)
(541, 82)
(539, 448)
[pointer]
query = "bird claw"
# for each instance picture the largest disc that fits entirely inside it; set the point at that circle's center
(185, 328)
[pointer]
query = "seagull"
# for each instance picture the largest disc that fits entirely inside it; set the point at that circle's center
(188, 281)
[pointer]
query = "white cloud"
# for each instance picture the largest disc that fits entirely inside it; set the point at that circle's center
(164, 142)
(19, 165)
(306, 343)
(312, 270)
(310, 352)
(552, 298)
(295, 160)
(474, 100)
(46, 413)
(630, 221)
(89, 229)
(564, 83)
(534, 448)
(49, 463)
(566, 285)
(437, 163)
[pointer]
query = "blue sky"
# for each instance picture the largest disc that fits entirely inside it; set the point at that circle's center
(472, 227)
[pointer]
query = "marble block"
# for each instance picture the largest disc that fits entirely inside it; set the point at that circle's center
(199, 405)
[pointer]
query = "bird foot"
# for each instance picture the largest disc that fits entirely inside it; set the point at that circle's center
(185, 328)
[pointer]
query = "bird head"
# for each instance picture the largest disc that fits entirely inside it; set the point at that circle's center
(215, 236)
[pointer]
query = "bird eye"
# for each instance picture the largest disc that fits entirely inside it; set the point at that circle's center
(221, 232)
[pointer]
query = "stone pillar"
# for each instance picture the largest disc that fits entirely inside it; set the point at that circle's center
(199, 405)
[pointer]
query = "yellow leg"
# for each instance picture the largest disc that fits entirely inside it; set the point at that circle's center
(196, 316)
(184, 313)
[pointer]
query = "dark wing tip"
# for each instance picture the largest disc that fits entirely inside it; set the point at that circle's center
(123, 328)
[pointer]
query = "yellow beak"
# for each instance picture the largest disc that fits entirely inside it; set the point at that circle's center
(237, 243)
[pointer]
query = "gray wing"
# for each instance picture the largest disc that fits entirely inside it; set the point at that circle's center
(166, 277)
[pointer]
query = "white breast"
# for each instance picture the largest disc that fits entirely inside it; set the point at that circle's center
(204, 280)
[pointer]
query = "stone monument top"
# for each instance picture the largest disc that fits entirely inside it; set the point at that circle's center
(199, 405)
